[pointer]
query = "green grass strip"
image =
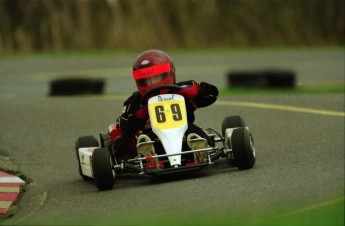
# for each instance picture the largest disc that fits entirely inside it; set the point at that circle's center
(312, 89)
(328, 213)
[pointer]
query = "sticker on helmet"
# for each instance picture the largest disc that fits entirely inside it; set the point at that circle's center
(144, 62)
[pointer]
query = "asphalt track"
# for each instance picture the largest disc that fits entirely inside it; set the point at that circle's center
(299, 141)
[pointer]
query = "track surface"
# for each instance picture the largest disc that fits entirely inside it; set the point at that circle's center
(300, 154)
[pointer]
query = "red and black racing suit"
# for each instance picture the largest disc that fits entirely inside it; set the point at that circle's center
(130, 125)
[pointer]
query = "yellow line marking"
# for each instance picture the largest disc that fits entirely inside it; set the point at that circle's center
(10, 189)
(281, 108)
(259, 105)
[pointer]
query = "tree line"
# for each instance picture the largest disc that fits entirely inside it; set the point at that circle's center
(58, 25)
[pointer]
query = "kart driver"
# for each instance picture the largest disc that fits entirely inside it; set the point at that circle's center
(151, 69)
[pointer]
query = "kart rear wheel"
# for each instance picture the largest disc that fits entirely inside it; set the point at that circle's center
(102, 166)
(243, 148)
(83, 142)
(232, 122)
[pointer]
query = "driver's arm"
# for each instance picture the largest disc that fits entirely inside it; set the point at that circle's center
(206, 94)
(129, 123)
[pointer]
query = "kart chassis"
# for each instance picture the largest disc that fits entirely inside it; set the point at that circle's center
(169, 122)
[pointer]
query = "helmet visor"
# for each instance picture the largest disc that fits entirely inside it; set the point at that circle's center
(151, 75)
(149, 81)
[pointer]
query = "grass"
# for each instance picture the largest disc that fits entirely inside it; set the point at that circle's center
(312, 89)
(327, 213)
(330, 212)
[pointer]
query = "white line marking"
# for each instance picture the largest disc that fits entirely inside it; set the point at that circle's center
(11, 180)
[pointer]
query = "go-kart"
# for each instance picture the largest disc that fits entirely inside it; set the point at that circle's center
(168, 120)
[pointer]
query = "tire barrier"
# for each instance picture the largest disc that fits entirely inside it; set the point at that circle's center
(262, 79)
(76, 86)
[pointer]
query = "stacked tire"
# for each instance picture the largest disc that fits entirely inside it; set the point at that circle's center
(76, 86)
(262, 79)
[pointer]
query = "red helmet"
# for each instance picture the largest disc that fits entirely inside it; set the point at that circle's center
(153, 68)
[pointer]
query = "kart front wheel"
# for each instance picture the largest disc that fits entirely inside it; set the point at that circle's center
(232, 122)
(243, 148)
(102, 166)
(84, 142)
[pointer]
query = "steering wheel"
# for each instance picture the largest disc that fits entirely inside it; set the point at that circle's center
(155, 91)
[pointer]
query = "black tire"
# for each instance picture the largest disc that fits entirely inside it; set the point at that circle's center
(102, 166)
(243, 148)
(232, 122)
(281, 79)
(83, 142)
(250, 79)
(76, 86)
(274, 78)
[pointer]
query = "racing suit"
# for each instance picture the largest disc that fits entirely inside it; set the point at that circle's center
(131, 125)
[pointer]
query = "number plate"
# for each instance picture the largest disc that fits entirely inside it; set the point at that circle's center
(167, 111)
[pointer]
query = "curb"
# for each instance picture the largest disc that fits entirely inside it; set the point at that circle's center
(10, 187)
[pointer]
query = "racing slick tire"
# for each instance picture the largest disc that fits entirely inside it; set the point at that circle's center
(83, 142)
(243, 148)
(232, 122)
(102, 166)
